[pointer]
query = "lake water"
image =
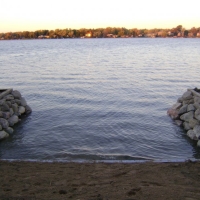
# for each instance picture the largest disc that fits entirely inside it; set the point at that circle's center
(99, 99)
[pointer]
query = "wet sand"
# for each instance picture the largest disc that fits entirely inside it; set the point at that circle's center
(99, 181)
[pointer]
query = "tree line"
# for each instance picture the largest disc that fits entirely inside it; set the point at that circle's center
(116, 32)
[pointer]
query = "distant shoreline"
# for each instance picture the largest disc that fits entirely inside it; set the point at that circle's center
(109, 32)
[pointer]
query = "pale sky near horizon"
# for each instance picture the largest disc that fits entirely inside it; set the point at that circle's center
(21, 15)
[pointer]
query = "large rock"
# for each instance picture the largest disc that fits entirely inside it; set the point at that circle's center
(197, 100)
(3, 135)
(15, 108)
(9, 97)
(190, 101)
(187, 116)
(192, 135)
(183, 109)
(173, 113)
(198, 143)
(193, 123)
(28, 109)
(196, 105)
(21, 110)
(6, 115)
(4, 123)
(23, 101)
(197, 130)
(1, 114)
(11, 112)
(5, 107)
(190, 108)
(16, 94)
(0, 127)
(186, 126)
(197, 114)
(187, 95)
(180, 100)
(9, 130)
(2, 101)
(13, 120)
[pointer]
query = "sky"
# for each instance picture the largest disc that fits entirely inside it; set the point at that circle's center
(21, 15)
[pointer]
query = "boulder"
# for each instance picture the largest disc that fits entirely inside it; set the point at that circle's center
(21, 110)
(191, 101)
(6, 115)
(9, 97)
(23, 101)
(3, 135)
(183, 109)
(198, 143)
(192, 135)
(15, 108)
(1, 114)
(197, 100)
(28, 109)
(190, 108)
(196, 130)
(180, 100)
(196, 105)
(187, 95)
(13, 120)
(2, 101)
(193, 123)
(16, 94)
(4, 123)
(187, 116)
(197, 114)
(18, 102)
(186, 126)
(5, 107)
(9, 130)
(0, 127)
(11, 112)
(9, 103)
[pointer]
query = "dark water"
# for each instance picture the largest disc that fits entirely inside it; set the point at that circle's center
(99, 99)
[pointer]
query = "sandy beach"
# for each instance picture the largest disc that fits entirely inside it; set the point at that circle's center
(99, 181)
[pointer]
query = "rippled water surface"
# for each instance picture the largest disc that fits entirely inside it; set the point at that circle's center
(99, 99)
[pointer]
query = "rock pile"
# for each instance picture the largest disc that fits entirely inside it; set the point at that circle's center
(12, 106)
(186, 113)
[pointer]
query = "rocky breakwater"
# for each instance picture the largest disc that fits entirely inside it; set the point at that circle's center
(12, 106)
(186, 113)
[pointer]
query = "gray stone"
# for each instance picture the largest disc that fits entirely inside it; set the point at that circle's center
(9, 130)
(196, 130)
(13, 120)
(197, 100)
(28, 109)
(3, 135)
(21, 110)
(193, 123)
(183, 109)
(197, 114)
(6, 115)
(9, 103)
(4, 123)
(2, 101)
(180, 100)
(186, 126)
(187, 116)
(15, 107)
(1, 114)
(196, 105)
(0, 127)
(187, 95)
(5, 107)
(18, 102)
(23, 101)
(16, 94)
(11, 112)
(198, 143)
(191, 101)
(192, 135)
(190, 108)
(9, 97)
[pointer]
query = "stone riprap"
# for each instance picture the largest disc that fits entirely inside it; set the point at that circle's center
(12, 106)
(186, 113)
